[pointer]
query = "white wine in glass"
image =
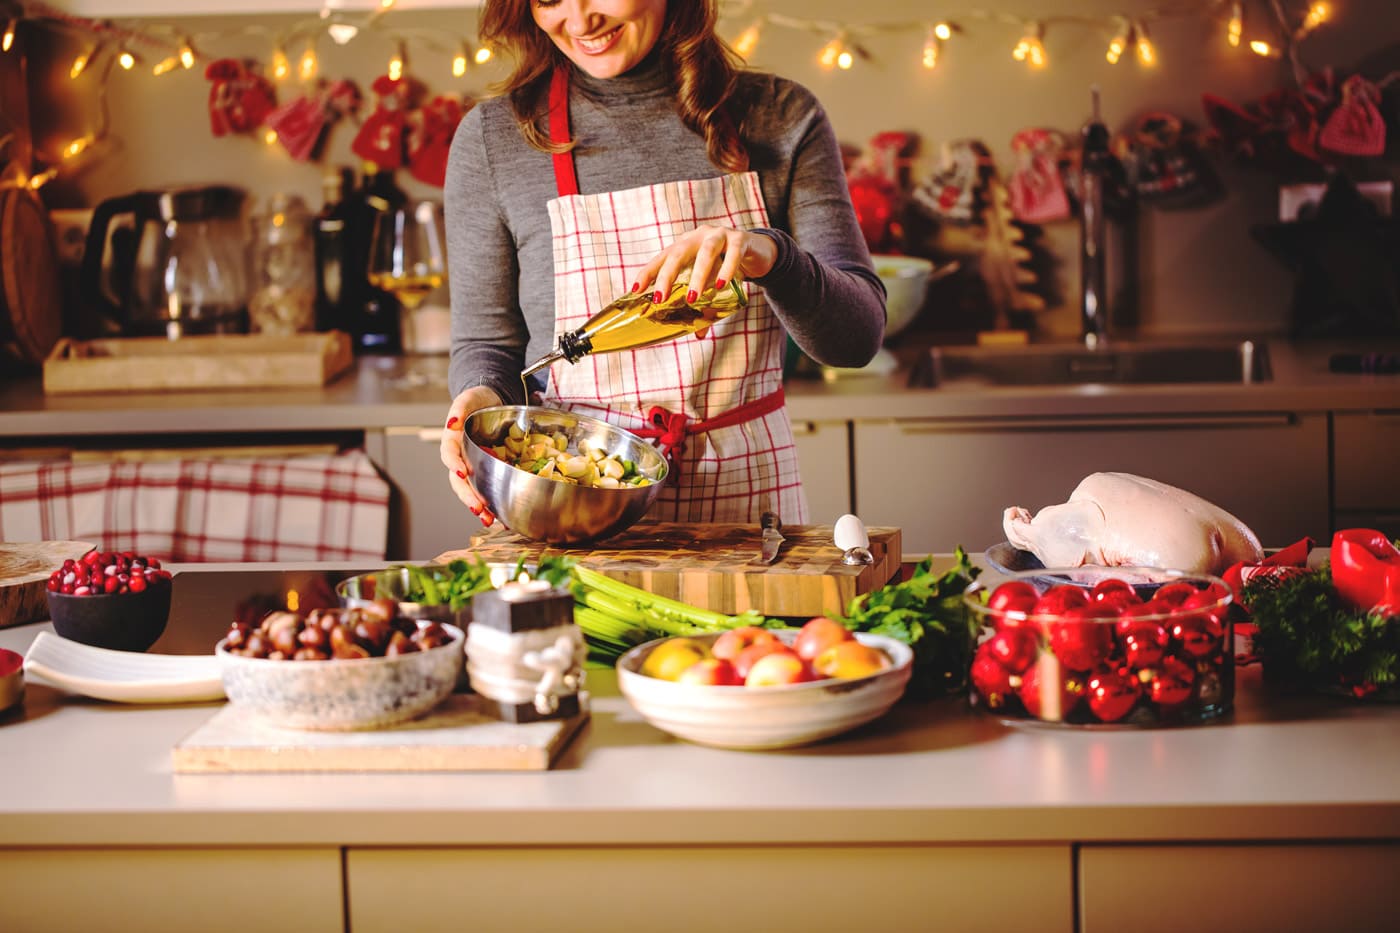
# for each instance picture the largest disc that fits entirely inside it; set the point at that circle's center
(407, 257)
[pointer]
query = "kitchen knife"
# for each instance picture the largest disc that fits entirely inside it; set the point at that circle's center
(768, 552)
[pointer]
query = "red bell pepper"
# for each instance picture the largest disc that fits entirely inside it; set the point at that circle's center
(1366, 569)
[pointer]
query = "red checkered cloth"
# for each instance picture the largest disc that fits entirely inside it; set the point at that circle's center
(200, 510)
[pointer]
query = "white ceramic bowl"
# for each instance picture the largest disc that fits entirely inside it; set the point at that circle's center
(906, 280)
(764, 717)
(343, 695)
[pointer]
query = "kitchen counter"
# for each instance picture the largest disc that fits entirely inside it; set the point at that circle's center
(391, 391)
(1280, 777)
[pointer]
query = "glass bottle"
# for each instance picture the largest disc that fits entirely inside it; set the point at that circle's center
(376, 327)
(634, 321)
(335, 269)
(284, 269)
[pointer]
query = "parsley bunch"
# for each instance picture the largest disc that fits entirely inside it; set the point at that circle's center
(1309, 637)
(926, 612)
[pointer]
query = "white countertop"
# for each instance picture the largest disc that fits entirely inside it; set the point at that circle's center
(77, 772)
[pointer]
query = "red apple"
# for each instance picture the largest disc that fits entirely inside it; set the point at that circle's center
(711, 672)
(730, 643)
(750, 655)
(819, 634)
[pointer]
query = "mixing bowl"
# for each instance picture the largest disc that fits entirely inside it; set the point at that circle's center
(551, 510)
(906, 280)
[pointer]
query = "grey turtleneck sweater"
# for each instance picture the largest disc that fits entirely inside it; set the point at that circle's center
(823, 288)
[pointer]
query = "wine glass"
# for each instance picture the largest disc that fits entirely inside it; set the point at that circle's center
(407, 257)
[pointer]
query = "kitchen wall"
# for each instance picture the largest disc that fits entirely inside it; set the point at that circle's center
(1199, 269)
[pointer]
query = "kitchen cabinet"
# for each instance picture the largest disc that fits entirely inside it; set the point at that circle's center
(171, 890)
(824, 459)
(1241, 888)
(1364, 491)
(426, 517)
(901, 887)
(945, 481)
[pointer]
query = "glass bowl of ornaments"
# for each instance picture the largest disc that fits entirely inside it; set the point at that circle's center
(1102, 647)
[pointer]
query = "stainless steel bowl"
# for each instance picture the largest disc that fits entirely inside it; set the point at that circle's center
(550, 510)
(392, 583)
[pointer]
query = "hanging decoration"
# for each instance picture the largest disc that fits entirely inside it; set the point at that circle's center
(301, 124)
(1036, 186)
(430, 138)
(381, 138)
(239, 98)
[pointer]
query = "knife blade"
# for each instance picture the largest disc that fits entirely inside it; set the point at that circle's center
(768, 550)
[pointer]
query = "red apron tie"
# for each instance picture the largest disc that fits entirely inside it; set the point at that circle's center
(565, 178)
(669, 428)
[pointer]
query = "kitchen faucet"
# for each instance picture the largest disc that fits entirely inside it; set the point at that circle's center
(1093, 176)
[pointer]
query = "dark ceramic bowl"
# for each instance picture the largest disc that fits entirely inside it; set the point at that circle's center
(121, 621)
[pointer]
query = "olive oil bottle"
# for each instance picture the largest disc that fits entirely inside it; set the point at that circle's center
(634, 321)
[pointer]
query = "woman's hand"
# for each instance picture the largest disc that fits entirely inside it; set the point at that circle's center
(713, 254)
(454, 457)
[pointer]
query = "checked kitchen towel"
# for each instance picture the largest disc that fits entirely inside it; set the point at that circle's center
(325, 507)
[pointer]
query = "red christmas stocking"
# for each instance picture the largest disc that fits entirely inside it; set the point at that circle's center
(239, 99)
(382, 137)
(431, 138)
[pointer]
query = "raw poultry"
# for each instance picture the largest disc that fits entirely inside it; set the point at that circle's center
(1119, 519)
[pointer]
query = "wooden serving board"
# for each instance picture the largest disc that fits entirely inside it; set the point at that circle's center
(217, 361)
(24, 572)
(715, 567)
(455, 736)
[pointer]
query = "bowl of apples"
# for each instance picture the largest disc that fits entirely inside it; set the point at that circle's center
(1102, 647)
(755, 688)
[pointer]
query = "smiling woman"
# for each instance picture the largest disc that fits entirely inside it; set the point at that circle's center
(603, 39)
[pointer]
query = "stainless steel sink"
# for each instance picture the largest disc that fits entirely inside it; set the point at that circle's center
(1242, 361)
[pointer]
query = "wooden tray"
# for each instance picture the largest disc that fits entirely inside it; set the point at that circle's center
(24, 573)
(713, 566)
(222, 361)
(454, 737)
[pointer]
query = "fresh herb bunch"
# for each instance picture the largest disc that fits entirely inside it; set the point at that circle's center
(926, 612)
(457, 581)
(1309, 637)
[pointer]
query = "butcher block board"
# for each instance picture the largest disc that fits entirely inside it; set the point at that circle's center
(714, 567)
(24, 572)
(456, 736)
(217, 361)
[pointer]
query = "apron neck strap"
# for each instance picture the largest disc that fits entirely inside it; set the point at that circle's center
(565, 178)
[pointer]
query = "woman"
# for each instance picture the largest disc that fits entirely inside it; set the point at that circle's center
(629, 151)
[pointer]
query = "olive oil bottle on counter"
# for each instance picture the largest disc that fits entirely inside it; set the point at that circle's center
(634, 321)
(375, 327)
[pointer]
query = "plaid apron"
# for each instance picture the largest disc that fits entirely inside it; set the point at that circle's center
(714, 403)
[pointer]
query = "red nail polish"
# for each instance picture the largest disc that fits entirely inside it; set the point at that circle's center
(476, 509)
(461, 475)
(451, 422)
(719, 283)
(656, 298)
(690, 296)
(636, 287)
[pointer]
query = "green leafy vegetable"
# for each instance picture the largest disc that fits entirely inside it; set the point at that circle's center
(926, 612)
(1309, 637)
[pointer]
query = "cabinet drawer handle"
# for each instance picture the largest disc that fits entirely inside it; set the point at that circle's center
(1029, 425)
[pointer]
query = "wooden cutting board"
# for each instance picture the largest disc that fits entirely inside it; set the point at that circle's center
(714, 567)
(24, 570)
(456, 736)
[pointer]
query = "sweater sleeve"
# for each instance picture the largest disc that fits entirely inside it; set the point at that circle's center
(489, 335)
(823, 287)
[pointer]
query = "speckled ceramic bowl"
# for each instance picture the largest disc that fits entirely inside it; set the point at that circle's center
(343, 695)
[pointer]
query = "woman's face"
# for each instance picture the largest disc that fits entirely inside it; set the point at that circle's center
(603, 38)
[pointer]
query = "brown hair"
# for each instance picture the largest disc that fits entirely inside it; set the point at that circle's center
(704, 72)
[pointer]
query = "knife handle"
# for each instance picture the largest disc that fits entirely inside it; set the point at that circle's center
(768, 521)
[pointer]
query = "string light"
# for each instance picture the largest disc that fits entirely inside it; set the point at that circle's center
(342, 33)
(1146, 52)
(270, 137)
(1318, 13)
(748, 39)
(932, 46)
(186, 54)
(483, 54)
(8, 38)
(1031, 48)
(127, 59)
(459, 61)
(1234, 29)
(307, 65)
(831, 53)
(281, 67)
(1265, 50)
(1118, 43)
(166, 65)
(80, 63)
(396, 63)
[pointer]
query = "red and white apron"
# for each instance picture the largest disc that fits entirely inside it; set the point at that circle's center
(714, 402)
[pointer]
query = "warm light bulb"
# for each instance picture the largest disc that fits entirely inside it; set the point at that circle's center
(79, 64)
(830, 52)
(385, 4)
(76, 147)
(270, 137)
(1318, 13)
(306, 65)
(342, 33)
(845, 60)
(1031, 49)
(748, 39)
(483, 55)
(1263, 49)
(280, 66)
(396, 64)
(1234, 29)
(459, 61)
(127, 59)
(43, 178)
(943, 31)
(8, 39)
(929, 58)
(1146, 52)
(186, 55)
(165, 65)
(1115, 48)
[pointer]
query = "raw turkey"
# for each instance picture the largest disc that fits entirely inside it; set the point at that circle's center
(1122, 520)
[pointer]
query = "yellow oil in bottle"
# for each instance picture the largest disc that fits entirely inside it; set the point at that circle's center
(635, 321)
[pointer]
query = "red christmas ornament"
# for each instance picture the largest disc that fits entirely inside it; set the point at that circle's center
(990, 679)
(1015, 648)
(1144, 644)
(1048, 691)
(382, 138)
(1080, 640)
(430, 140)
(1197, 635)
(239, 99)
(1111, 694)
(1172, 684)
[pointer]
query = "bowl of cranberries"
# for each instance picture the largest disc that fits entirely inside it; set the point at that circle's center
(1102, 647)
(110, 599)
